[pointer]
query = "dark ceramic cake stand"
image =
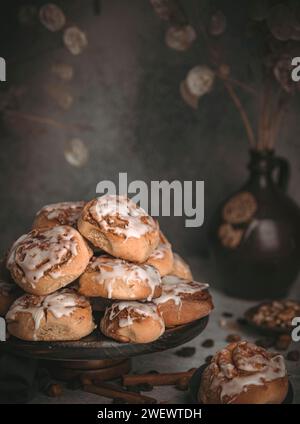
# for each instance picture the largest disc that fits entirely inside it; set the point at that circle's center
(96, 355)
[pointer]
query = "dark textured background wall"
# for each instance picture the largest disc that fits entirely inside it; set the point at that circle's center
(126, 93)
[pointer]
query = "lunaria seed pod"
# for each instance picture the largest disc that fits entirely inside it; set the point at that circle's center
(200, 80)
(180, 38)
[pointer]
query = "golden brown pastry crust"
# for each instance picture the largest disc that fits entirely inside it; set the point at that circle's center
(244, 373)
(115, 278)
(63, 213)
(119, 227)
(63, 315)
(46, 260)
(162, 257)
(132, 322)
(183, 301)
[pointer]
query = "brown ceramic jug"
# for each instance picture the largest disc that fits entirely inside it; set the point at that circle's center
(256, 233)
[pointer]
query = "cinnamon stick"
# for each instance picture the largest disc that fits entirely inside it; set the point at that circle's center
(113, 392)
(161, 379)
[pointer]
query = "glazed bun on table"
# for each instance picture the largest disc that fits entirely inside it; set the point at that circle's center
(48, 259)
(132, 322)
(115, 278)
(119, 227)
(162, 257)
(64, 213)
(244, 373)
(181, 268)
(183, 301)
(63, 315)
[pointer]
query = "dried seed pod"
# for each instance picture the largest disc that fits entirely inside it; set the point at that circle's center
(76, 152)
(162, 9)
(169, 10)
(229, 236)
(180, 38)
(282, 72)
(200, 80)
(217, 24)
(187, 96)
(27, 14)
(60, 95)
(279, 20)
(52, 17)
(240, 208)
(75, 40)
(62, 70)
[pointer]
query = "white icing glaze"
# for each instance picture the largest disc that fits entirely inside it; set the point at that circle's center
(161, 251)
(112, 269)
(249, 366)
(62, 303)
(39, 251)
(67, 212)
(122, 216)
(144, 310)
(173, 287)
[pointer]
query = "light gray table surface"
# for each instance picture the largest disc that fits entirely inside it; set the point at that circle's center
(168, 361)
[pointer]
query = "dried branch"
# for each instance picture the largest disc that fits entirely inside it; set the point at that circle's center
(44, 120)
(234, 97)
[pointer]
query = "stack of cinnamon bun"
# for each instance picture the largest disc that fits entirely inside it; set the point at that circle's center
(109, 252)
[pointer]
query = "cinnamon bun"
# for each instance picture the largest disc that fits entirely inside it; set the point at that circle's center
(133, 322)
(183, 301)
(114, 278)
(181, 268)
(45, 260)
(119, 227)
(63, 315)
(244, 373)
(64, 213)
(162, 257)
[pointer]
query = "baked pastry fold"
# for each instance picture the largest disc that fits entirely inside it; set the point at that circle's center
(63, 213)
(119, 227)
(63, 315)
(183, 301)
(133, 322)
(44, 260)
(244, 373)
(115, 278)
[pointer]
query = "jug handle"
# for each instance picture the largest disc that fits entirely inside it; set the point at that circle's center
(284, 171)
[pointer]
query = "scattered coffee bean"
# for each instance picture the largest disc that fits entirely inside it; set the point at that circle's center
(283, 341)
(266, 342)
(231, 338)
(293, 355)
(208, 343)
(227, 314)
(186, 352)
(208, 359)
(242, 321)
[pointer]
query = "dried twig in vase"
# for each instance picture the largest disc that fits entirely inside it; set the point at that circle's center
(234, 97)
